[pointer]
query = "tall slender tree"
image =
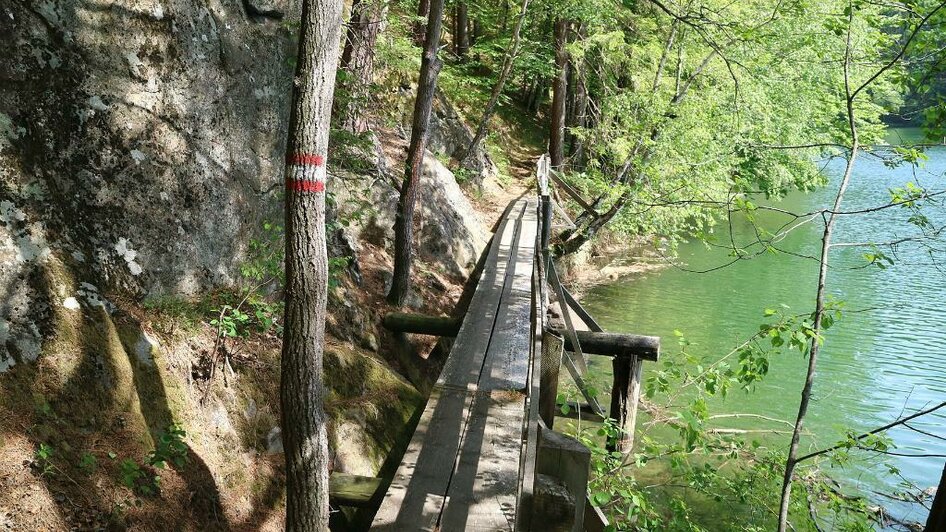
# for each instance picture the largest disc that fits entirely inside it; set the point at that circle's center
(367, 22)
(404, 220)
(302, 389)
(420, 29)
(559, 88)
(511, 52)
(462, 33)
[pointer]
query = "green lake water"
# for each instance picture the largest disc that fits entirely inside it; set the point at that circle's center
(876, 365)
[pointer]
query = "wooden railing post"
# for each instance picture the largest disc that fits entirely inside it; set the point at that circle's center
(542, 179)
(552, 351)
(625, 394)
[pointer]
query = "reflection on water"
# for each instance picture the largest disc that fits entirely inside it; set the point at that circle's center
(885, 358)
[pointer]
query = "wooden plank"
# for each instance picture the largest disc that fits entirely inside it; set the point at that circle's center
(482, 493)
(414, 498)
(353, 490)
(507, 360)
(465, 363)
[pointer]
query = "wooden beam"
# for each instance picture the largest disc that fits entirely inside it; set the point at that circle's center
(421, 324)
(353, 490)
(573, 194)
(615, 344)
(580, 310)
(578, 410)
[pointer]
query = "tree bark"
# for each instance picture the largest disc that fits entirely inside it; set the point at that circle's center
(420, 29)
(937, 519)
(301, 389)
(367, 21)
(579, 102)
(477, 32)
(511, 52)
(559, 88)
(462, 34)
(404, 220)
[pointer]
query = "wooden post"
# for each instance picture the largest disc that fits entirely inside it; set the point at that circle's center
(546, 224)
(554, 506)
(625, 394)
(568, 460)
(542, 177)
(552, 351)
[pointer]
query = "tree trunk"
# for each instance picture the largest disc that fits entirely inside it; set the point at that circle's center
(420, 29)
(559, 88)
(477, 32)
(302, 390)
(937, 519)
(404, 220)
(579, 103)
(462, 34)
(367, 21)
(510, 58)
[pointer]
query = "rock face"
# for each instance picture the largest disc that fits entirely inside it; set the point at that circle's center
(143, 138)
(449, 233)
(449, 134)
(141, 146)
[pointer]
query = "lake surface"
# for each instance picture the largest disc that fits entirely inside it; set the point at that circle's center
(883, 361)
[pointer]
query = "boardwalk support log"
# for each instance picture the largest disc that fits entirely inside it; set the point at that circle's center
(421, 324)
(354, 490)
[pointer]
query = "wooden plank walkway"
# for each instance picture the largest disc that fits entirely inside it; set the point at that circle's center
(461, 470)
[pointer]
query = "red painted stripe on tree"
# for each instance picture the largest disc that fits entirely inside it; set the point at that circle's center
(306, 159)
(299, 185)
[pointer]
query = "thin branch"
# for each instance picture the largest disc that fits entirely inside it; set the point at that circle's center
(901, 421)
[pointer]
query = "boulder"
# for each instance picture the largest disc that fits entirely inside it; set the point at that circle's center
(449, 232)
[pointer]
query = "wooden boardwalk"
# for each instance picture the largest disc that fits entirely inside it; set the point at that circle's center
(484, 455)
(462, 469)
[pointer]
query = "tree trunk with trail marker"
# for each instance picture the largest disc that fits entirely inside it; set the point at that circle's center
(559, 88)
(301, 389)
(404, 220)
